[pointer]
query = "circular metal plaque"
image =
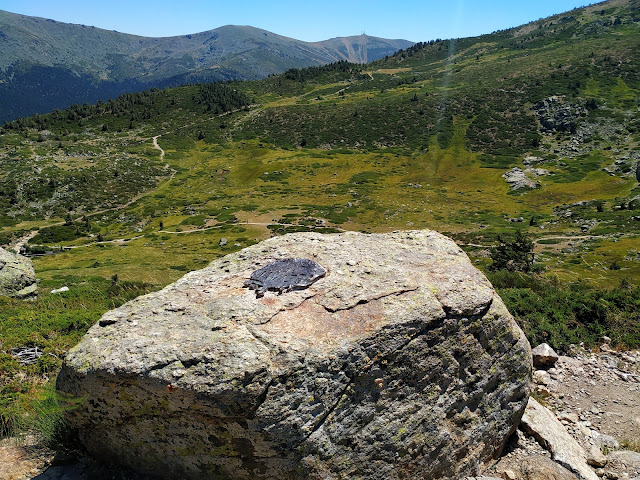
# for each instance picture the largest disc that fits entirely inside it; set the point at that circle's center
(285, 275)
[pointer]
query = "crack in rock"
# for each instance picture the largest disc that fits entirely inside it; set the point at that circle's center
(365, 301)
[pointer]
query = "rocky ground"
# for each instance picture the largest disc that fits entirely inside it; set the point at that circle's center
(28, 461)
(594, 396)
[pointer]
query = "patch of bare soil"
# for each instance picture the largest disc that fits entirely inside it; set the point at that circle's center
(23, 461)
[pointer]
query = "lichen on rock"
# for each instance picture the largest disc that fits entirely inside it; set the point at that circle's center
(400, 362)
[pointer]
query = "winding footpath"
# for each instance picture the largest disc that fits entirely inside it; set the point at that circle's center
(158, 147)
(22, 241)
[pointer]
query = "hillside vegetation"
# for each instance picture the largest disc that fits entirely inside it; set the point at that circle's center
(150, 185)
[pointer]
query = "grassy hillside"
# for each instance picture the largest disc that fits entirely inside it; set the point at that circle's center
(47, 64)
(149, 186)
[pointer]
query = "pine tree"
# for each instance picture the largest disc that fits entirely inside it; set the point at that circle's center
(516, 255)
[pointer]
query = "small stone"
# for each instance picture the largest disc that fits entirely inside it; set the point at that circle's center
(544, 390)
(509, 475)
(544, 356)
(535, 466)
(541, 377)
(569, 417)
(604, 441)
(595, 457)
(623, 376)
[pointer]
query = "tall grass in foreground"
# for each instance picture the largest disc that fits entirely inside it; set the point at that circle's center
(53, 324)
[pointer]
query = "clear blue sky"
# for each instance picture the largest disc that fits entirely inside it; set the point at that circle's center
(416, 20)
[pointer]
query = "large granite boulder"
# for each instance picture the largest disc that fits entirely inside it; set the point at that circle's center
(392, 359)
(17, 277)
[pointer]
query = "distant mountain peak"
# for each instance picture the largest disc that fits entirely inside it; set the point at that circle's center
(46, 64)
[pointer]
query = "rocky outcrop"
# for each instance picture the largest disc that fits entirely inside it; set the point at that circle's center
(398, 362)
(517, 179)
(17, 277)
(557, 115)
(532, 160)
(524, 179)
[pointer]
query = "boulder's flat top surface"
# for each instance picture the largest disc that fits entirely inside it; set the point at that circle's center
(208, 310)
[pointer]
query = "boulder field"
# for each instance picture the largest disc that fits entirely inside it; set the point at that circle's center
(393, 359)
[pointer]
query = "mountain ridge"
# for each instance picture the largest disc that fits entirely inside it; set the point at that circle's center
(46, 64)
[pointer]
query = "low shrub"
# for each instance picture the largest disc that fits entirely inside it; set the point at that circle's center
(564, 314)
